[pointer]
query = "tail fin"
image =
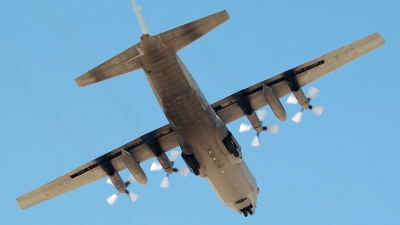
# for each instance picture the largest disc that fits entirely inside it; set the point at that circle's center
(143, 25)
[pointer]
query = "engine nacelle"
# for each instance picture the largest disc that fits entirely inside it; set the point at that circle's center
(118, 183)
(295, 87)
(165, 162)
(255, 121)
(301, 98)
(134, 167)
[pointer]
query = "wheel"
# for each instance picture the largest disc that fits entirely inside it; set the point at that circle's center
(235, 153)
(196, 171)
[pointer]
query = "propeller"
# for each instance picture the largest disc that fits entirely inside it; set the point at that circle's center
(317, 110)
(244, 127)
(133, 196)
(155, 166)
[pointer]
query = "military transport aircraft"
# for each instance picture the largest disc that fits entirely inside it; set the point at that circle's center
(198, 128)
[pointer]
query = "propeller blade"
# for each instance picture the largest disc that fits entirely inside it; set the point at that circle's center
(164, 183)
(133, 196)
(109, 181)
(244, 127)
(111, 200)
(312, 93)
(297, 117)
(261, 114)
(291, 99)
(273, 128)
(183, 171)
(131, 179)
(155, 166)
(255, 142)
(317, 110)
(173, 156)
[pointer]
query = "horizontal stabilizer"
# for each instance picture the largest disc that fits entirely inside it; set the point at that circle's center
(124, 62)
(179, 37)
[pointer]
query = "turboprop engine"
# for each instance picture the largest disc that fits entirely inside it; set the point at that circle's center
(301, 98)
(118, 183)
(165, 163)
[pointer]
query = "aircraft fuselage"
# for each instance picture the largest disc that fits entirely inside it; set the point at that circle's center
(200, 132)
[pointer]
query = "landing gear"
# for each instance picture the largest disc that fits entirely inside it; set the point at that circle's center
(192, 163)
(246, 211)
(245, 207)
(230, 145)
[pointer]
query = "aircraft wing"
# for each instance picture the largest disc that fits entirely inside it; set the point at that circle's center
(96, 169)
(228, 109)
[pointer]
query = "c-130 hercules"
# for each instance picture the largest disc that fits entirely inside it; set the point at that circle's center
(198, 128)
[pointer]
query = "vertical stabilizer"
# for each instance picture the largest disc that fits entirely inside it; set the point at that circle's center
(142, 22)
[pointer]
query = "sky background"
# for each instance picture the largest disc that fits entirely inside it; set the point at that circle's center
(340, 168)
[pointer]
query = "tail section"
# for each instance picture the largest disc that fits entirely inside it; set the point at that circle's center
(133, 58)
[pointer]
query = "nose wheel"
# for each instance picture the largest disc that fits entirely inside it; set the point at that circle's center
(247, 211)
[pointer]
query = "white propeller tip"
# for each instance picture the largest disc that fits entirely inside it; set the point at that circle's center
(261, 114)
(131, 179)
(291, 99)
(317, 110)
(133, 196)
(273, 129)
(164, 183)
(183, 171)
(174, 155)
(255, 142)
(244, 127)
(155, 166)
(297, 117)
(109, 181)
(111, 200)
(312, 92)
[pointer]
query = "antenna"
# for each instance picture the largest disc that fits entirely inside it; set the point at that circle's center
(143, 25)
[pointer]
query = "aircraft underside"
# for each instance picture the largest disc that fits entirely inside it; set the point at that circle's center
(202, 135)
(208, 148)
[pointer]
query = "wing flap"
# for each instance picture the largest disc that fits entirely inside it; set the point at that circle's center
(98, 168)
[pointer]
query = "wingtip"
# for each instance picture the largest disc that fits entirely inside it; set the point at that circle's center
(82, 82)
(225, 15)
(19, 205)
(78, 83)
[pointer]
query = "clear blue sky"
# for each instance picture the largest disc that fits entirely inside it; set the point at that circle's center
(340, 168)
